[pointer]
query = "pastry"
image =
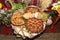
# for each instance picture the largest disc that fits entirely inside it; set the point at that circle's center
(28, 15)
(17, 20)
(34, 25)
(32, 9)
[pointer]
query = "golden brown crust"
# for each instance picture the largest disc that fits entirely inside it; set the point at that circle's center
(32, 10)
(17, 20)
(34, 25)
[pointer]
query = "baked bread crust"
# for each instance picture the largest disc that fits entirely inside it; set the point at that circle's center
(34, 25)
(17, 20)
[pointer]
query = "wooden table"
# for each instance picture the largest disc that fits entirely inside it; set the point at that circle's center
(44, 36)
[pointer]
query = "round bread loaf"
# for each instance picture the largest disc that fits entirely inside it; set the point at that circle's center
(34, 25)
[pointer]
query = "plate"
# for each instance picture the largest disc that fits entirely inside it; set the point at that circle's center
(25, 33)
